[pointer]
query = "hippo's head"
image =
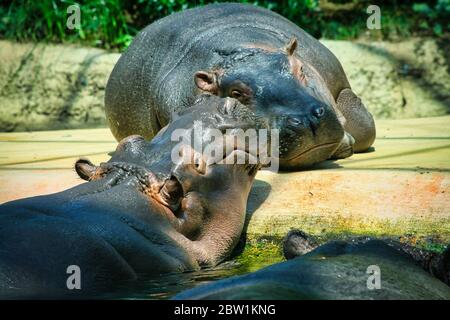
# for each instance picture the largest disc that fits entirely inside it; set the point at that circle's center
(276, 85)
(203, 197)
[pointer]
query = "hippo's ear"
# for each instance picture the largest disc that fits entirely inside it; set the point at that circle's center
(85, 169)
(297, 243)
(291, 46)
(206, 81)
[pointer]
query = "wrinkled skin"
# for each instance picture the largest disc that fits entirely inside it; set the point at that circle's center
(248, 53)
(338, 270)
(140, 213)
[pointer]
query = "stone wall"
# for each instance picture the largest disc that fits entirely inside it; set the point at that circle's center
(46, 87)
(398, 80)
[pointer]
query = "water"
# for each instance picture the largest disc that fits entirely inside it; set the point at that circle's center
(167, 285)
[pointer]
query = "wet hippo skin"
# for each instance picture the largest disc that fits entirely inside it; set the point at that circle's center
(139, 213)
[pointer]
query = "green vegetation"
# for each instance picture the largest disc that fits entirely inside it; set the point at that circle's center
(113, 23)
(259, 254)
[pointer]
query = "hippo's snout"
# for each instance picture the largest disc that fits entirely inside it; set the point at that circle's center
(309, 119)
(308, 135)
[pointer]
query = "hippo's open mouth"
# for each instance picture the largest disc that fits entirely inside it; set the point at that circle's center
(315, 148)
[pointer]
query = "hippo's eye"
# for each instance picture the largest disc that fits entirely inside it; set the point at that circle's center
(236, 94)
(241, 92)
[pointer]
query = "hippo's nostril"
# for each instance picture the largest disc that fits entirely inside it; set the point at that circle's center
(171, 193)
(319, 112)
(129, 141)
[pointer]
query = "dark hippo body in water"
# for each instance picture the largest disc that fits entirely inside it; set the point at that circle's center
(140, 213)
(249, 53)
(335, 270)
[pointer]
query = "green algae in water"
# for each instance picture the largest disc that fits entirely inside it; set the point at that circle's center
(256, 255)
(259, 254)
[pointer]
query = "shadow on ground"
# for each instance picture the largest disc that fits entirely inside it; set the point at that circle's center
(259, 193)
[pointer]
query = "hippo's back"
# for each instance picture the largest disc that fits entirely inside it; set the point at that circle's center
(155, 75)
(337, 270)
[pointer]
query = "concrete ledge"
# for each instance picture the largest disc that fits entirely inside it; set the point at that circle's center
(402, 188)
(336, 202)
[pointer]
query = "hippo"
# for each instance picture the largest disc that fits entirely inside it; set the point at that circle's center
(251, 54)
(339, 270)
(138, 213)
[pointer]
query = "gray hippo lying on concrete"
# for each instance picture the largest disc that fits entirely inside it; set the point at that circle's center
(252, 54)
(357, 269)
(140, 213)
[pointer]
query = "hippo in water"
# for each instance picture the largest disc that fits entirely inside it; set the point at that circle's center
(252, 54)
(360, 268)
(140, 213)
